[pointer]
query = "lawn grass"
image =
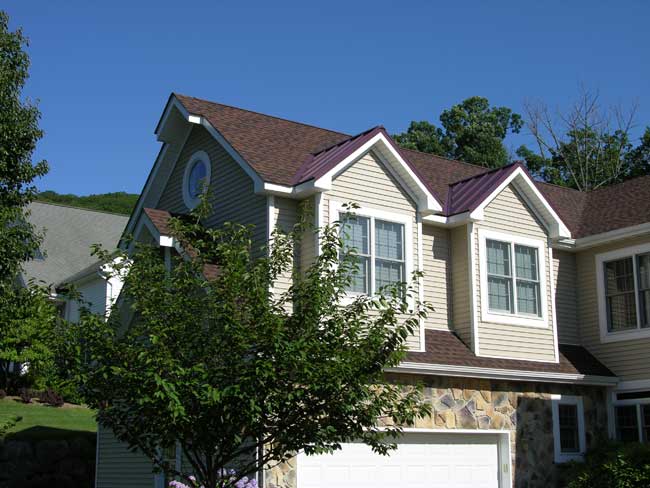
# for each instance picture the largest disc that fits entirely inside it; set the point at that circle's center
(44, 422)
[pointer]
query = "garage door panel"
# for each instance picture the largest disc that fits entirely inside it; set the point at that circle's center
(421, 460)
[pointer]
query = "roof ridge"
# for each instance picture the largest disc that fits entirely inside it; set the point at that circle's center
(263, 114)
(323, 128)
(555, 185)
(360, 134)
(474, 165)
(487, 172)
(56, 204)
(606, 187)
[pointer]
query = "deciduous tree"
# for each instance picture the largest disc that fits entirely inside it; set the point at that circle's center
(240, 378)
(585, 147)
(473, 132)
(21, 305)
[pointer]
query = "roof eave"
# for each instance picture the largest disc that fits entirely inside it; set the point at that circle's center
(501, 374)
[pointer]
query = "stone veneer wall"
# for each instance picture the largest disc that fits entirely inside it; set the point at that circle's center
(523, 408)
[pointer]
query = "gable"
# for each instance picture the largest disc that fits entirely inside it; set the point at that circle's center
(509, 212)
(232, 193)
(368, 182)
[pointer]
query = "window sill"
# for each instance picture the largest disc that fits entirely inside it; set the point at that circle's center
(566, 458)
(511, 319)
(350, 296)
(625, 335)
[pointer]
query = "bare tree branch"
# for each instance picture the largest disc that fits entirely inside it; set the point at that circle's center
(584, 146)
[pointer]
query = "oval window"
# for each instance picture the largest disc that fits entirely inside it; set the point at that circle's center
(197, 179)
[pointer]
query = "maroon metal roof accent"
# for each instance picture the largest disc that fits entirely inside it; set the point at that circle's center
(283, 152)
(319, 163)
(445, 348)
(466, 195)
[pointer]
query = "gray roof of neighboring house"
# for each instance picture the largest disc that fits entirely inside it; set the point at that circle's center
(69, 233)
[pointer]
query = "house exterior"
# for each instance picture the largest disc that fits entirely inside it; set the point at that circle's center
(539, 344)
(65, 257)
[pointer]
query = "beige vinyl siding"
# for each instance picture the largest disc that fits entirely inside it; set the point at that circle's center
(566, 296)
(308, 245)
(460, 286)
(436, 262)
(231, 189)
(629, 360)
(509, 213)
(285, 216)
(368, 183)
(119, 467)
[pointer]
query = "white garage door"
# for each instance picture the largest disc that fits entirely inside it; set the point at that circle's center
(420, 461)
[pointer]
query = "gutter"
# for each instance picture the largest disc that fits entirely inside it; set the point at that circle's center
(501, 374)
(612, 235)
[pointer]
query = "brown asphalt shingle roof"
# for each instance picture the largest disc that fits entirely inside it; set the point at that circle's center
(274, 147)
(281, 151)
(616, 206)
(445, 348)
(160, 220)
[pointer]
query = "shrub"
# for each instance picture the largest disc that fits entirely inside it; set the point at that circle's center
(613, 465)
(7, 424)
(68, 391)
(26, 395)
(51, 397)
(3, 394)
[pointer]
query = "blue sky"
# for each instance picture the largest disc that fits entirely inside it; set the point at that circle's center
(103, 70)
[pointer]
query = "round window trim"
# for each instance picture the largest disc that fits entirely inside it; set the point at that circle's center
(198, 157)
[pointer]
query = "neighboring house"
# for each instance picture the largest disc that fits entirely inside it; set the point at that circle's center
(539, 344)
(64, 256)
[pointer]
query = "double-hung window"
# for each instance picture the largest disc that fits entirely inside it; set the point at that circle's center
(632, 414)
(624, 293)
(356, 237)
(619, 286)
(378, 242)
(568, 427)
(513, 277)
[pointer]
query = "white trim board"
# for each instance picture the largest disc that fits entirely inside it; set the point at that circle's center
(633, 385)
(420, 265)
(551, 274)
(611, 236)
(501, 374)
(473, 291)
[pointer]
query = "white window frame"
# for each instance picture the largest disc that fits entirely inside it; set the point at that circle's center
(190, 201)
(492, 316)
(159, 480)
(600, 260)
(336, 210)
(631, 387)
(556, 401)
